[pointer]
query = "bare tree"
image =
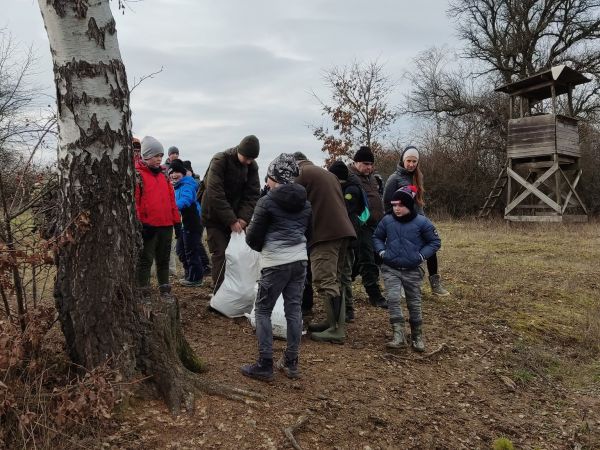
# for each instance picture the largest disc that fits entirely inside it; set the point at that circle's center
(359, 108)
(100, 312)
(517, 38)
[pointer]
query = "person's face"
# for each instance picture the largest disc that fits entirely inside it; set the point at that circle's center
(399, 209)
(410, 163)
(272, 183)
(154, 161)
(245, 160)
(173, 156)
(366, 168)
(175, 177)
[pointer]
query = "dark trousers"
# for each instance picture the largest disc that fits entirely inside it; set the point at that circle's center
(432, 265)
(307, 295)
(218, 239)
(157, 247)
(364, 261)
(188, 250)
(286, 279)
(203, 255)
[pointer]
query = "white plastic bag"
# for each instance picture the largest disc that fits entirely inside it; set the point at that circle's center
(278, 322)
(235, 296)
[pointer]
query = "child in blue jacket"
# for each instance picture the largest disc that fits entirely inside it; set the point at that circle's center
(189, 238)
(404, 239)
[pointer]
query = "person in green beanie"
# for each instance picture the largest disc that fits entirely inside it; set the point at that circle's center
(231, 190)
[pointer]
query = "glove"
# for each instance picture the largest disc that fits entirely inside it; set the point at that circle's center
(147, 231)
(177, 228)
(379, 257)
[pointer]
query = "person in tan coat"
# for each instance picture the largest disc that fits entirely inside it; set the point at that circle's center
(331, 233)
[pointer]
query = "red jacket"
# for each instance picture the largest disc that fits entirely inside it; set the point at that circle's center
(155, 198)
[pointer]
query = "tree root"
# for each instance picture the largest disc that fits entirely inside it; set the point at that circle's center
(424, 357)
(166, 356)
(289, 431)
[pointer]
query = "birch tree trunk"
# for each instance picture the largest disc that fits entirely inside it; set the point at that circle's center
(98, 306)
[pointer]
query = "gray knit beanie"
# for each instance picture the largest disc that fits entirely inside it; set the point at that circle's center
(249, 147)
(151, 147)
(172, 149)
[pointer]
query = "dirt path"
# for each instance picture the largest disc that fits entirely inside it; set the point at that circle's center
(359, 396)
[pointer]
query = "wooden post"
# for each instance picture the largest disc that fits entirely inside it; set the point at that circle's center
(557, 179)
(508, 182)
(553, 91)
(522, 106)
(570, 100)
(511, 105)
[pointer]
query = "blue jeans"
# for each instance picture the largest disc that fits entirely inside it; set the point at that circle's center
(286, 279)
(188, 250)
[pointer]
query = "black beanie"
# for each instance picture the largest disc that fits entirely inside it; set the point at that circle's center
(406, 196)
(249, 147)
(177, 166)
(364, 154)
(340, 170)
(299, 156)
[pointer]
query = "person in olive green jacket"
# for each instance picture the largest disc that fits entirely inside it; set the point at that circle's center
(231, 190)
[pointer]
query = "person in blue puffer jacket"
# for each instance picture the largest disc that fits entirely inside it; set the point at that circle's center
(188, 242)
(404, 239)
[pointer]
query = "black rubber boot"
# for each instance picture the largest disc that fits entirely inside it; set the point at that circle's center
(261, 370)
(375, 297)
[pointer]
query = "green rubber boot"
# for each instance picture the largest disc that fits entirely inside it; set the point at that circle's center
(336, 333)
(322, 326)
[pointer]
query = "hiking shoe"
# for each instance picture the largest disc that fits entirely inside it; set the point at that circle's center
(261, 370)
(165, 292)
(436, 286)
(380, 302)
(288, 366)
(187, 283)
(349, 315)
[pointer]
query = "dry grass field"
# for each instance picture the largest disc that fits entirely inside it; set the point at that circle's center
(514, 352)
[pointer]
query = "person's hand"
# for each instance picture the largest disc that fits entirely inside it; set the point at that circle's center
(177, 228)
(236, 227)
(242, 223)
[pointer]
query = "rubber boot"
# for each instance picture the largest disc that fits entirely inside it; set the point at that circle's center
(261, 370)
(322, 326)
(416, 338)
(349, 310)
(289, 366)
(436, 286)
(336, 333)
(398, 340)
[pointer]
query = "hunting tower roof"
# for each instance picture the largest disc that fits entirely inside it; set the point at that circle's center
(538, 86)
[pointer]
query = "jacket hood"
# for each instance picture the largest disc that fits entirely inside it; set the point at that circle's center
(400, 170)
(187, 180)
(290, 197)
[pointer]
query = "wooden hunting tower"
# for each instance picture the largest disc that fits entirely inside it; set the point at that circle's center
(542, 170)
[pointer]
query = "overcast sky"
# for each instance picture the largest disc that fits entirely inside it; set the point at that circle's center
(234, 67)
